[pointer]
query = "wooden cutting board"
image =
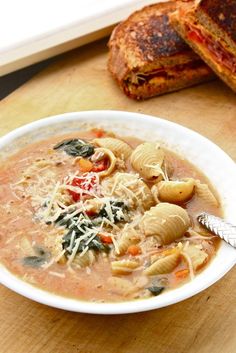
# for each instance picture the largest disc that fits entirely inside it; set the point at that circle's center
(203, 324)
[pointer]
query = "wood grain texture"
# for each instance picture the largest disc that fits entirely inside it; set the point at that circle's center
(204, 323)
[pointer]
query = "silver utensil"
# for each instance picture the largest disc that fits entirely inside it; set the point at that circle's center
(218, 226)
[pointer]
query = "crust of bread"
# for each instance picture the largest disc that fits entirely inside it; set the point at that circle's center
(219, 16)
(145, 42)
(224, 73)
(146, 35)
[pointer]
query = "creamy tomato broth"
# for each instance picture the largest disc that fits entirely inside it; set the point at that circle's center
(73, 224)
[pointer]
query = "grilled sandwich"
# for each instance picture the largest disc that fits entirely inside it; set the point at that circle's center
(209, 27)
(148, 58)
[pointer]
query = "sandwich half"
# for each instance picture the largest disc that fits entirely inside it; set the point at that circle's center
(147, 57)
(209, 27)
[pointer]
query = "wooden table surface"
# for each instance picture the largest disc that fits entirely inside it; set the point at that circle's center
(202, 324)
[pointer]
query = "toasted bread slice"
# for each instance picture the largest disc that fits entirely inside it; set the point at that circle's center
(148, 58)
(209, 27)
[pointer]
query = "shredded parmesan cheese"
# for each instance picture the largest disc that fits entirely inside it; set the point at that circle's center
(57, 274)
(190, 265)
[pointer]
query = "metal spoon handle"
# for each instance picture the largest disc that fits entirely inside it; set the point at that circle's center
(218, 226)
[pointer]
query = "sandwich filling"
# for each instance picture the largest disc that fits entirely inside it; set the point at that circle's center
(217, 51)
(141, 78)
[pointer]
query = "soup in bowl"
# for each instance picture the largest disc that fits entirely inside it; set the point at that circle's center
(99, 212)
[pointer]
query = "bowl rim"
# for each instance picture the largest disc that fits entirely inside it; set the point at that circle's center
(183, 292)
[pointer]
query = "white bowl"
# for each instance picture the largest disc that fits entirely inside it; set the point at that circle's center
(218, 167)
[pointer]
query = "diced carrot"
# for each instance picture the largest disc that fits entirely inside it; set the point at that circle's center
(85, 165)
(62, 260)
(98, 132)
(134, 250)
(90, 213)
(106, 239)
(182, 273)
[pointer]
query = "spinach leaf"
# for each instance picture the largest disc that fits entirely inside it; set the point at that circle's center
(156, 290)
(85, 225)
(76, 147)
(34, 261)
(96, 244)
(37, 261)
(79, 230)
(79, 225)
(116, 207)
(41, 252)
(64, 221)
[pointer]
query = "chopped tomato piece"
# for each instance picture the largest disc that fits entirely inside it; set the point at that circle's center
(98, 132)
(85, 165)
(107, 239)
(134, 250)
(84, 182)
(194, 36)
(90, 213)
(100, 165)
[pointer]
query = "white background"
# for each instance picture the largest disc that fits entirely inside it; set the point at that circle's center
(28, 26)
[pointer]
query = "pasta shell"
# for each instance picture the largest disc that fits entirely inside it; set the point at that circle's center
(149, 243)
(163, 265)
(123, 267)
(176, 191)
(106, 153)
(129, 237)
(198, 257)
(120, 286)
(203, 192)
(86, 260)
(124, 286)
(147, 159)
(155, 192)
(129, 187)
(120, 148)
(166, 221)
